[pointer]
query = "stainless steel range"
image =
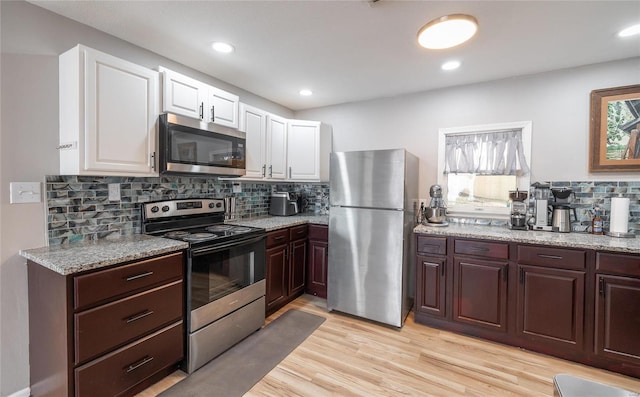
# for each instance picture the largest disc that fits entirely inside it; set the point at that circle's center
(225, 286)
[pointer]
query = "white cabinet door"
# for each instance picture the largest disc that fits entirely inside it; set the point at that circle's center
(223, 107)
(183, 95)
(276, 147)
(253, 122)
(108, 113)
(303, 150)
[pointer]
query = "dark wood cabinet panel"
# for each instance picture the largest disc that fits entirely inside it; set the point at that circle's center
(431, 245)
(561, 258)
(551, 306)
(297, 266)
(276, 275)
(618, 318)
(481, 248)
(431, 285)
(624, 265)
(317, 264)
(480, 293)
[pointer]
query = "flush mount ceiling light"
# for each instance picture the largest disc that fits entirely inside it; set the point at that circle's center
(222, 47)
(306, 92)
(447, 31)
(630, 31)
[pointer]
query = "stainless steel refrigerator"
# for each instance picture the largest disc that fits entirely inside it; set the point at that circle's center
(371, 218)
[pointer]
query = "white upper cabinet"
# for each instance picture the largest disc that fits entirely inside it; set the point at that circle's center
(108, 112)
(253, 122)
(308, 148)
(189, 97)
(283, 149)
(276, 147)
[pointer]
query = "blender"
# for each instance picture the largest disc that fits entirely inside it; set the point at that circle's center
(518, 217)
(541, 207)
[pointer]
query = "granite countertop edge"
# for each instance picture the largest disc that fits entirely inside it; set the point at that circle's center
(74, 258)
(271, 223)
(566, 240)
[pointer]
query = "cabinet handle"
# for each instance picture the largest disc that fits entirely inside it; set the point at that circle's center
(213, 114)
(137, 276)
(549, 256)
(278, 237)
(481, 249)
(521, 276)
(601, 287)
(136, 365)
(139, 316)
(153, 161)
(271, 171)
(264, 170)
(201, 110)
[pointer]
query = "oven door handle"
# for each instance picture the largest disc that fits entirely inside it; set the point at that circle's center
(209, 250)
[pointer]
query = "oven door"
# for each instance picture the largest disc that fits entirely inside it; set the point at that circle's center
(190, 146)
(224, 278)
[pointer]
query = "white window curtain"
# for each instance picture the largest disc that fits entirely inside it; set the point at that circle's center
(486, 153)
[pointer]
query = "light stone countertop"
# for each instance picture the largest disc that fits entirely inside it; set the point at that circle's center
(503, 233)
(78, 257)
(271, 223)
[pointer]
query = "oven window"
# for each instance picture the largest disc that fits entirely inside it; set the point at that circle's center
(210, 149)
(220, 273)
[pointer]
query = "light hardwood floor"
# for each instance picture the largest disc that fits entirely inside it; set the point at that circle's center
(346, 356)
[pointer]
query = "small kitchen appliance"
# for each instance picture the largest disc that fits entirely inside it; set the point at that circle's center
(562, 209)
(541, 207)
(518, 217)
(225, 273)
(436, 213)
(283, 204)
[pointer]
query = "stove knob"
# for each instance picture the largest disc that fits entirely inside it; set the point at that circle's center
(211, 205)
(218, 205)
(165, 208)
(155, 209)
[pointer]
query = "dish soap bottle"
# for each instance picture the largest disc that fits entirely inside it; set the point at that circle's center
(596, 222)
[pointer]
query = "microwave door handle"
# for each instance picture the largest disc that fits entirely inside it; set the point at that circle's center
(218, 248)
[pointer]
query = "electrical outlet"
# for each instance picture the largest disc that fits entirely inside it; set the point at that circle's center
(114, 192)
(237, 187)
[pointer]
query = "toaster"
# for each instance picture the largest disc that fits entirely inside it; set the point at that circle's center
(283, 204)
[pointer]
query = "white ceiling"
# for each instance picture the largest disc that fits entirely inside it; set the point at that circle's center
(356, 50)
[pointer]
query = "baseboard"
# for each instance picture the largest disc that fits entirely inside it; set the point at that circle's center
(21, 393)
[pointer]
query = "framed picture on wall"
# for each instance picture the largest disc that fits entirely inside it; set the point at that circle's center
(615, 129)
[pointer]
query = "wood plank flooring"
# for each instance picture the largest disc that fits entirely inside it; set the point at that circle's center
(347, 356)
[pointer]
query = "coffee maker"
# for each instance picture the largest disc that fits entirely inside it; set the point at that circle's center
(541, 207)
(562, 209)
(518, 217)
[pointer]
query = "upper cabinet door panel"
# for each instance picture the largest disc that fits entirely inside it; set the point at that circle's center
(108, 113)
(254, 123)
(223, 107)
(303, 151)
(276, 147)
(182, 95)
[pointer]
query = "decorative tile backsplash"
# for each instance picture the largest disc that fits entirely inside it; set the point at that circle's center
(79, 207)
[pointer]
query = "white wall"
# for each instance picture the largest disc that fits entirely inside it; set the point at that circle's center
(557, 103)
(31, 40)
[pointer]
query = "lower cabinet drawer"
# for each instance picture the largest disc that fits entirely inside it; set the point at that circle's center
(124, 368)
(482, 248)
(105, 327)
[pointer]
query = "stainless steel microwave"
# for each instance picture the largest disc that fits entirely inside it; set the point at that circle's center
(189, 146)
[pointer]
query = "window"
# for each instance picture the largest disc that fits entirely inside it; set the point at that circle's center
(479, 165)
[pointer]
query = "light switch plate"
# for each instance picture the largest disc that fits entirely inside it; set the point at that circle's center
(25, 192)
(114, 192)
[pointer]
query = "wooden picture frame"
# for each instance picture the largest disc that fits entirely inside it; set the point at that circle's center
(615, 130)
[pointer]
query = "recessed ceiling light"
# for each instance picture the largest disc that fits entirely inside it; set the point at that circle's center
(447, 31)
(630, 31)
(222, 47)
(451, 65)
(306, 92)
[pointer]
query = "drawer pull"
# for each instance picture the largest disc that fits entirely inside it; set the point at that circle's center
(430, 245)
(481, 249)
(139, 316)
(278, 237)
(136, 365)
(137, 276)
(549, 256)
